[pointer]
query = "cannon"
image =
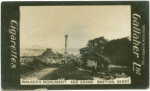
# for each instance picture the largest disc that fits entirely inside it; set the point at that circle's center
(107, 56)
(103, 65)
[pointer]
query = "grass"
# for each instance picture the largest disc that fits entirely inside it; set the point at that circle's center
(24, 69)
(68, 72)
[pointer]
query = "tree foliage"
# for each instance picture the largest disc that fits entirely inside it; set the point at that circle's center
(119, 50)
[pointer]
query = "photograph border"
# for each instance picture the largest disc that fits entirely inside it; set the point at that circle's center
(10, 77)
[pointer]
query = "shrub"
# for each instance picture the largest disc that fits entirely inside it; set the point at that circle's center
(68, 72)
(26, 69)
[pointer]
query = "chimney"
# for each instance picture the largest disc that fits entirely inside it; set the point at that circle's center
(49, 49)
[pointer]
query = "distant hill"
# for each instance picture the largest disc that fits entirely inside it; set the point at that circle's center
(36, 52)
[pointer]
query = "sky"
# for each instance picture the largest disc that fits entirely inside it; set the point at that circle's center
(45, 26)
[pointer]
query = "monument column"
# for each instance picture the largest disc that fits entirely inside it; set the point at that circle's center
(66, 36)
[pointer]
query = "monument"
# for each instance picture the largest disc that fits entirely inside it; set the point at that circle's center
(66, 36)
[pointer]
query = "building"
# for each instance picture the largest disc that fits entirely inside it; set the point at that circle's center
(26, 59)
(48, 57)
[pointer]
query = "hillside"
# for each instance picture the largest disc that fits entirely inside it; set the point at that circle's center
(36, 52)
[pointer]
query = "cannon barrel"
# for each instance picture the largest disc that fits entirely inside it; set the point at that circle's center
(104, 59)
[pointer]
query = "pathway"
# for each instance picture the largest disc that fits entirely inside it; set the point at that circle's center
(39, 74)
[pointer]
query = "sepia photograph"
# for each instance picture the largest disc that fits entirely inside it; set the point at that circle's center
(75, 43)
